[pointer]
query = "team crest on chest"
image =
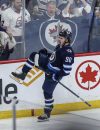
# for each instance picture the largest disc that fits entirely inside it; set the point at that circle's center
(52, 57)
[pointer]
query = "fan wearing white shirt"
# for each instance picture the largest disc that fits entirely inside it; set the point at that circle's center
(75, 8)
(13, 21)
(12, 17)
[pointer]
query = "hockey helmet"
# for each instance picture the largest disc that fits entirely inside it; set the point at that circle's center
(66, 34)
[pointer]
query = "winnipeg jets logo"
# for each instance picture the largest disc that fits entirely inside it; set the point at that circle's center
(52, 57)
(52, 31)
(19, 22)
(49, 31)
(69, 50)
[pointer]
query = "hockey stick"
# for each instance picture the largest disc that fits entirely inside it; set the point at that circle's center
(74, 94)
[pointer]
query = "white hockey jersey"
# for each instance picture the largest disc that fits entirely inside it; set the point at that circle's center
(13, 20)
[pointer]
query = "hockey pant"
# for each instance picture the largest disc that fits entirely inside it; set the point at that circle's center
(48, 89)
(35, 59)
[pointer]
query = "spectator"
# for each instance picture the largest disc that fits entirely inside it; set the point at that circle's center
(13, 21)
(13, 17)
(7, 44)
(30, 5)
(52, 11)
(33, 9)
(36, 14)
(42, 4)
(76, 8)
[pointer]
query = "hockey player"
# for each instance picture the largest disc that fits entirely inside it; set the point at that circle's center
(56, 65)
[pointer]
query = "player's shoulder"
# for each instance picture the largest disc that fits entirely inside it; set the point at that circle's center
(68, 49)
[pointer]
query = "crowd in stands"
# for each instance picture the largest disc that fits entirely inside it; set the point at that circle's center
(37, 12)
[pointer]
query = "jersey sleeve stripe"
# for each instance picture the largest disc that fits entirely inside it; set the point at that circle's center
(67, 66)
(52, 68)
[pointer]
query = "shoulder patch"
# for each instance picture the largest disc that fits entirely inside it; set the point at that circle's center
(69, 50)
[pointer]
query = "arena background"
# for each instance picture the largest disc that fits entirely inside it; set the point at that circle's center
(41, 31)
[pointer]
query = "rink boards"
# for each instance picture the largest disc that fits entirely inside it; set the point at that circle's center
(84, 80)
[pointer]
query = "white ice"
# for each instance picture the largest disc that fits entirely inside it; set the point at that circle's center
(77, 120)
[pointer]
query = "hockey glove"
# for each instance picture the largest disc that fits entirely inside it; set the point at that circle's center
(43, 51)
(56, 77)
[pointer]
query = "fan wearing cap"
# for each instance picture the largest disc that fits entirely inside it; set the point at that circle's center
(56, 65)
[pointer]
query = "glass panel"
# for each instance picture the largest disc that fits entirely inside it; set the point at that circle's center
(38, 23)
(48, 18)
(12, 15)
